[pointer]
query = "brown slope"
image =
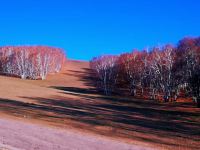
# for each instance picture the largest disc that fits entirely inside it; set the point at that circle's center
(15, 88)
(67, 100)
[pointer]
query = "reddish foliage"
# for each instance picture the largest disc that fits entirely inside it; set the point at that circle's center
(162, 72)
(31, 62)
(105, 71)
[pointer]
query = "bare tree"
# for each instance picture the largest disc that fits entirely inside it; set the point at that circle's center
(44, 64)
(105, 69)
(161, 71)
(22, 61)
(132, 65)
(30, 62)
(189, 64)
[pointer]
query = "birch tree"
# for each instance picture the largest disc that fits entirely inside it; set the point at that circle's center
(30, 62)
(105, 70)
(133, 66)
(189, 54)
(22, 62)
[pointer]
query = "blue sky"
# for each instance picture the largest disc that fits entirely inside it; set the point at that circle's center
(86, 28)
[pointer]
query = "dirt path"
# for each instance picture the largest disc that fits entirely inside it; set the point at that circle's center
(15, 135)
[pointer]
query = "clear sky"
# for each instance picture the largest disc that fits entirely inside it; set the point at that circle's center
(86, 28)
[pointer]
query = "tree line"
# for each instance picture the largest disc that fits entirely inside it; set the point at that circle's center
(30, 62)
(163, 72)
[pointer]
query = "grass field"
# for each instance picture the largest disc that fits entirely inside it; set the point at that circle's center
(68, 100)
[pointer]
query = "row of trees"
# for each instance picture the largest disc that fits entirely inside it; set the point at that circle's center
(30, 62)
(161, 73)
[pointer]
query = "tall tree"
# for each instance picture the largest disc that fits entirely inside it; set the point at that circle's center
(105, 70)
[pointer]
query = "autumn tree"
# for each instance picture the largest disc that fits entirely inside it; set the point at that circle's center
(133, 67)
(30, 62)
(163, 71)
(105, 68)
(189, 66)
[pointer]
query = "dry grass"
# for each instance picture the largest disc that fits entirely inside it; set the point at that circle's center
(68, 100)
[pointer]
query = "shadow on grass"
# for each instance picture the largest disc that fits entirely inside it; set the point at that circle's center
(86, 75)
(76, 90)
(112, 117)
(135, 119)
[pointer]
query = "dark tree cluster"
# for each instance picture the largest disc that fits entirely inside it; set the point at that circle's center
(30, 62)
(162, 73)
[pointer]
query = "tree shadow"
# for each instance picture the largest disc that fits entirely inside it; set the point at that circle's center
(133, 121)
(76, 90)
(86, 75)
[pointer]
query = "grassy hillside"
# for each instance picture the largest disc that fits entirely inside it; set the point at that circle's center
(68, 100)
